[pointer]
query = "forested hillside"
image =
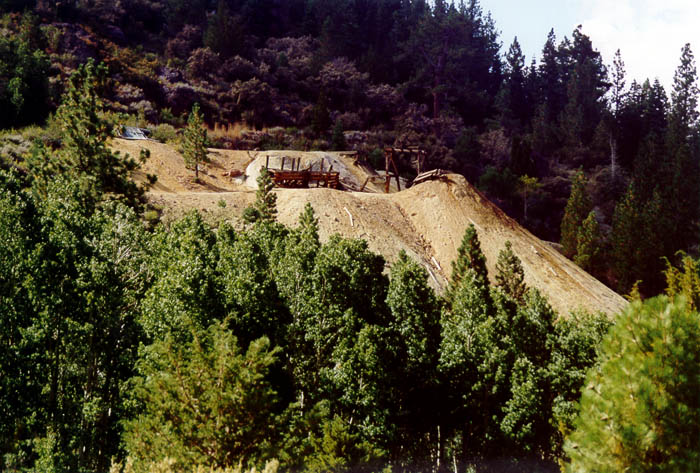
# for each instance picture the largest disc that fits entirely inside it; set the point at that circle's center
(129, 345)
(401, 72)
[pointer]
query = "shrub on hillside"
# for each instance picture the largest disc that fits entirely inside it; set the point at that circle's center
(165, 133)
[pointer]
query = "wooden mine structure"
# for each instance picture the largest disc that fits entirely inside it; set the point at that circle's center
(302, 178)
(391, 153)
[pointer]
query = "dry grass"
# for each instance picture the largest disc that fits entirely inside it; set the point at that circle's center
(230, 131)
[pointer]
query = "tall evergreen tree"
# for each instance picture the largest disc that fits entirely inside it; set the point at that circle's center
(512, 97)
(264, 209)
(194, 149)
(577, 208)
(637, 241)
(551, 95)
(586, 86)
(206, 402)
(510, 276)
(682, 142)
(469, 256)
(615, 117)
(588, 243)
(225, 33)
(85, 157)
(684, 96)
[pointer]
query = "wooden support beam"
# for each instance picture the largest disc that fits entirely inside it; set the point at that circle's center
(396, 173)
(387, 177)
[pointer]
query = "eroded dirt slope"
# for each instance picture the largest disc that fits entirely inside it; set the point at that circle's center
(427, 221)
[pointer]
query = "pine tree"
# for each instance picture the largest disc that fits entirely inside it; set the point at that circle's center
(587, 83)
(338, 142)
(308, 224)
(640, 409)
(321, 120)
(684, 96)
(85, 159)
(264, 209)
(685, 281)
(615, 116)
(588, 243)
(637, 242)
(206, 402)
(512, 97)
(225, 33)
(469, 257)
(552, 96)
(577, 208)
(681, 195)
(510, 276)
(194, 149)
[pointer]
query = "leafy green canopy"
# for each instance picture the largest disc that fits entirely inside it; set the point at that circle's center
(510, 375)
(367, 370)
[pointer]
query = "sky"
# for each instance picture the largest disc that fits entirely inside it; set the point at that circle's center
(649, 33)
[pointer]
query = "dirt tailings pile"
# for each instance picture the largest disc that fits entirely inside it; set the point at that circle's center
(428, 222)
(440, 211)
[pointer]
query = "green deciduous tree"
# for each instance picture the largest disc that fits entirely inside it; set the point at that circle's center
(183, 291)
(21, 385)
(414, 331)
(574, 344)
(78, 336)
(24, 84)
(527, 187)
(194, 149)
(248, 288)
(640, 409)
